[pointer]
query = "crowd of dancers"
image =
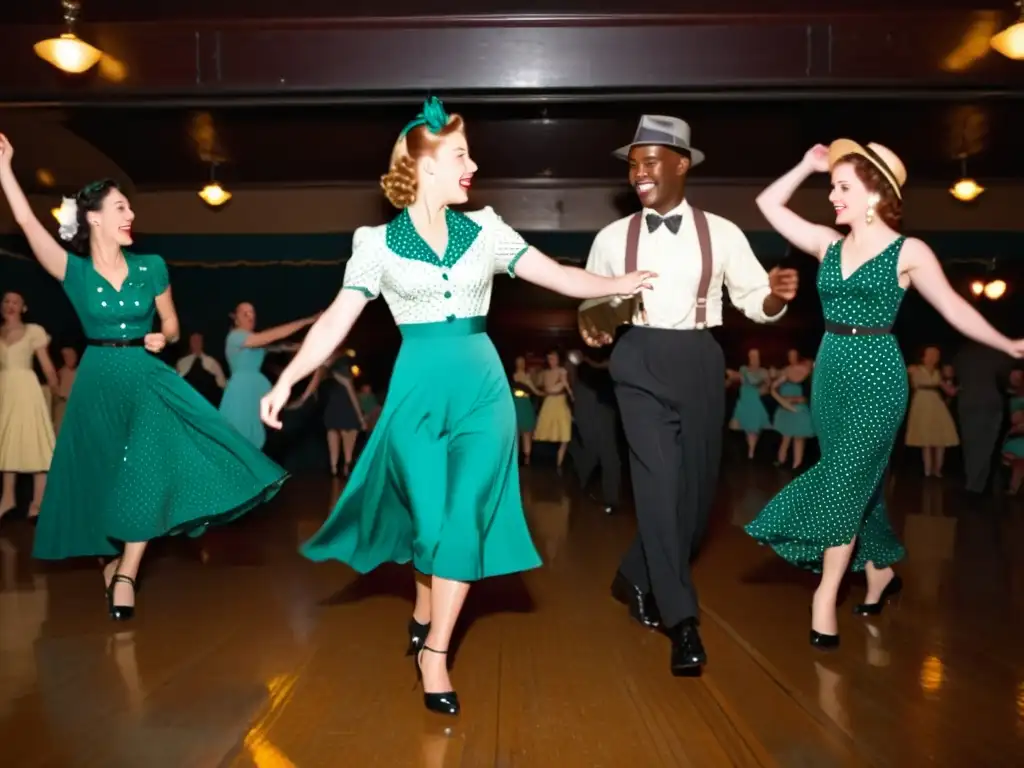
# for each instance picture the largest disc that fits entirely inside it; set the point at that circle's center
(141, 454)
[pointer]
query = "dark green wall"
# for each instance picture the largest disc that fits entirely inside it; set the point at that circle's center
(207, 288)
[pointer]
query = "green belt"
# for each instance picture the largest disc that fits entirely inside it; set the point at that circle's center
(453, 326)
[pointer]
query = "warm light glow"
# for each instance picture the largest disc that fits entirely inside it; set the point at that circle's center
(977, 287)
(966, 190)
(932, 674)
(355, 371)
(350, 353)
(995, 289)
(214, 194)
(56, 213)
(1010, 42)
(68, 53)
(45, 177)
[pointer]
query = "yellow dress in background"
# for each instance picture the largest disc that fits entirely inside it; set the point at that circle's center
(554, 422)
(929, 423)
(26, 429)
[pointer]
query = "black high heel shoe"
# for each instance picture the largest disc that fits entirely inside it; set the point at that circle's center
(417, 637)
(446, 703)
(820, 640)
(892, 589)
(823, 641)
(120, 612)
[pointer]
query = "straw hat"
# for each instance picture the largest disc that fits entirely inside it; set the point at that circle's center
(884, 159)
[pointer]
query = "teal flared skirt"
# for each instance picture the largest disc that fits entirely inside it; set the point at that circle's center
(141, 455)
(438, 481)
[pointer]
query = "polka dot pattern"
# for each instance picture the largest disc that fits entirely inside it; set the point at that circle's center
(140, 453)
(421, 286)
(858, 401)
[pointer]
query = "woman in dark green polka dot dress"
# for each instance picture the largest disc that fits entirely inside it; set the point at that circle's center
(833, 516)
(438, 482)
(140, 453)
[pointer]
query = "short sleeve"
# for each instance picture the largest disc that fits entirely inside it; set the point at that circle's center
(235, 343)
(73, 275)
(365, 266)
(507, 244)
(38, 338)
(158, 274)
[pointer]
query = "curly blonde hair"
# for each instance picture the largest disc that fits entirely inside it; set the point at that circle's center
(401, 182)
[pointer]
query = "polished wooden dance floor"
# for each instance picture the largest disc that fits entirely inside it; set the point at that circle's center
(244, 654)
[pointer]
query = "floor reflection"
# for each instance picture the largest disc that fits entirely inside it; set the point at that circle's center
(245, 654)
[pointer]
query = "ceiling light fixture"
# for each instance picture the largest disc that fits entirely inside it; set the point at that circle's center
(68, 53)
(213, 194)
(966, 189)
(1010, 42)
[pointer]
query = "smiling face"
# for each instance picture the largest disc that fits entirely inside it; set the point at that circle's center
(12, 307)
(849, 196)
(658, 174)
(448, 171)
(113, 220)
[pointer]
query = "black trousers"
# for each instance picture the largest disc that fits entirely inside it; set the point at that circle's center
(596, 442)
(979, 432)
(671, 393)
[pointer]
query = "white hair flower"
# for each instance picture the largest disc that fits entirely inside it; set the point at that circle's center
(67, 217)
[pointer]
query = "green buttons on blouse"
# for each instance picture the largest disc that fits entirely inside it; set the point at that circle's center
(450, 318)
(447, 294)
(445, 276)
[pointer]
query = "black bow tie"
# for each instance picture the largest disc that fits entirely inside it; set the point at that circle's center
(672, 222)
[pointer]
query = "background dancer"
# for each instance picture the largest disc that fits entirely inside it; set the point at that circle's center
(26, 424)
(438, 481)
(833, 516)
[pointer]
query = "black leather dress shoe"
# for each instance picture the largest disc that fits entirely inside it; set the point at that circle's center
(688, 655)
(641, 604)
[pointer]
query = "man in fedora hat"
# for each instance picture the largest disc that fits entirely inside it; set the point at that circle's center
(669, 370)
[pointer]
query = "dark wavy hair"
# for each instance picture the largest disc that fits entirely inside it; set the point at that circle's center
(890, 207)
(89, 198)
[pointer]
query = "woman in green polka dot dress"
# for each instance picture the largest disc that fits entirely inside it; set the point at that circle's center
(833, 516)
(438, 482)
(140, 453)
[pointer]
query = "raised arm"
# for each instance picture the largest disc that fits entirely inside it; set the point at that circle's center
(773, 203)
(918, 261)
(263, 338)
(50, 254)
(323, 338)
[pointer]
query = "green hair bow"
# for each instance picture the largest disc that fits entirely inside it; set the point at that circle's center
(432, 115)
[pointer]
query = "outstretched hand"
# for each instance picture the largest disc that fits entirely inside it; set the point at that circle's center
(634, 282)
(272, 404)
(1016, 349)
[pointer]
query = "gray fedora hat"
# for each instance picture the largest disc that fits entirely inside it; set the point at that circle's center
(664, 131)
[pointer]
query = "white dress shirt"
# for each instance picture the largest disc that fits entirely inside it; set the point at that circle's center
(212, 367)
(676, 259)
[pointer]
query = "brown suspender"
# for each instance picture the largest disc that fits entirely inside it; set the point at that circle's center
(703, 237)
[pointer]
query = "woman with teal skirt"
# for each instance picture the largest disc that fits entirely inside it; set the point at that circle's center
(245, 348)
(438, 481)
(833, 516)
(140, 453)
(524, 390)
(793, 416)
(750, 416)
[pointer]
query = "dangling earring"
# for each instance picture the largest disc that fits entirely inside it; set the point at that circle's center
(869, 214)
